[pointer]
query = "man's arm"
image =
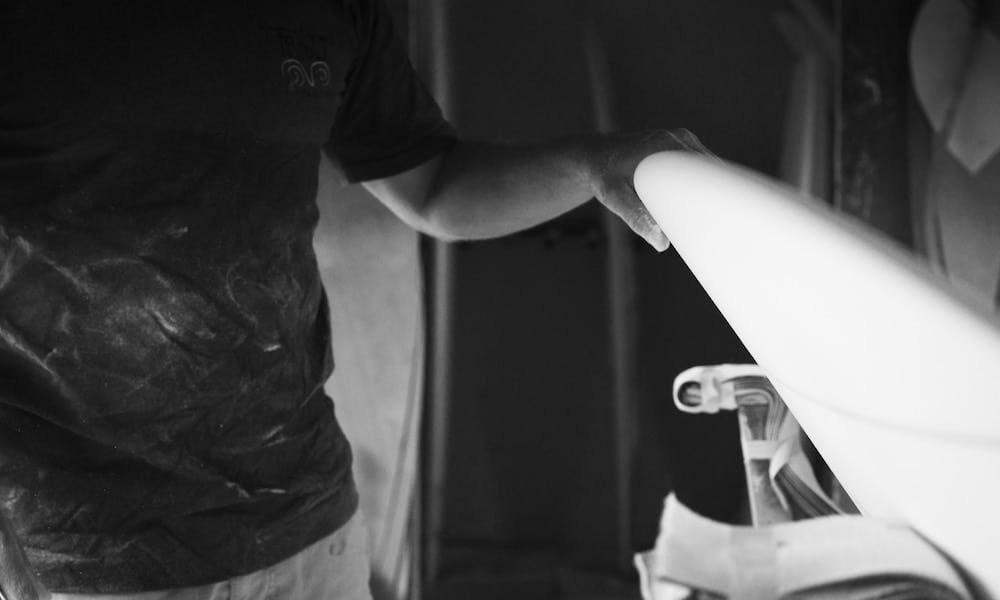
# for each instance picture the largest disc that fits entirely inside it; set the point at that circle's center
(481, 190)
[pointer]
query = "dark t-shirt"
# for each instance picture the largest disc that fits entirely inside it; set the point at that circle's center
(163, 329)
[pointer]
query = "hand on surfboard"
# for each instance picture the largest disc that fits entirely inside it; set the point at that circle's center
(615, 189)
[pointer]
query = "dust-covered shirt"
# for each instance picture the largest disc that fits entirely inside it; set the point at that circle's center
(163, 328)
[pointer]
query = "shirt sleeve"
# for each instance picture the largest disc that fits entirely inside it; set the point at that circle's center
(387, 122)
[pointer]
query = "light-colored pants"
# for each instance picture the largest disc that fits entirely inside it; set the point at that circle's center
(334, 568)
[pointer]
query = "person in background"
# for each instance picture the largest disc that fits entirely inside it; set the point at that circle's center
(164, 341)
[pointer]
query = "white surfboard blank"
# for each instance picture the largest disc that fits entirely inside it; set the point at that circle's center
(891, 373)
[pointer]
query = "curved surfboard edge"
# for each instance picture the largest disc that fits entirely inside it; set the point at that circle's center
(784, 197)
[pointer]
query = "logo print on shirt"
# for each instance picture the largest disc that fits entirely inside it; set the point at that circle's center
(298, 76)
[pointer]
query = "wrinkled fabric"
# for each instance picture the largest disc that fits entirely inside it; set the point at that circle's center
(163, 328)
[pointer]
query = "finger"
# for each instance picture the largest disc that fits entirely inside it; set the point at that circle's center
(654, 235)
(621, 199)
(677, 139)
(690, 142)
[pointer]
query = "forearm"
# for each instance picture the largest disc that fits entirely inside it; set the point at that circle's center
(480, 189)
(485, 190)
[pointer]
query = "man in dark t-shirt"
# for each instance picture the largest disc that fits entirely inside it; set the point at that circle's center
(163, 330)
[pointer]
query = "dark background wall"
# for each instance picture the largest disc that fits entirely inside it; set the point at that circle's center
(529, 503)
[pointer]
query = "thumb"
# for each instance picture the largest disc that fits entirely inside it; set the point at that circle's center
(620, 198)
